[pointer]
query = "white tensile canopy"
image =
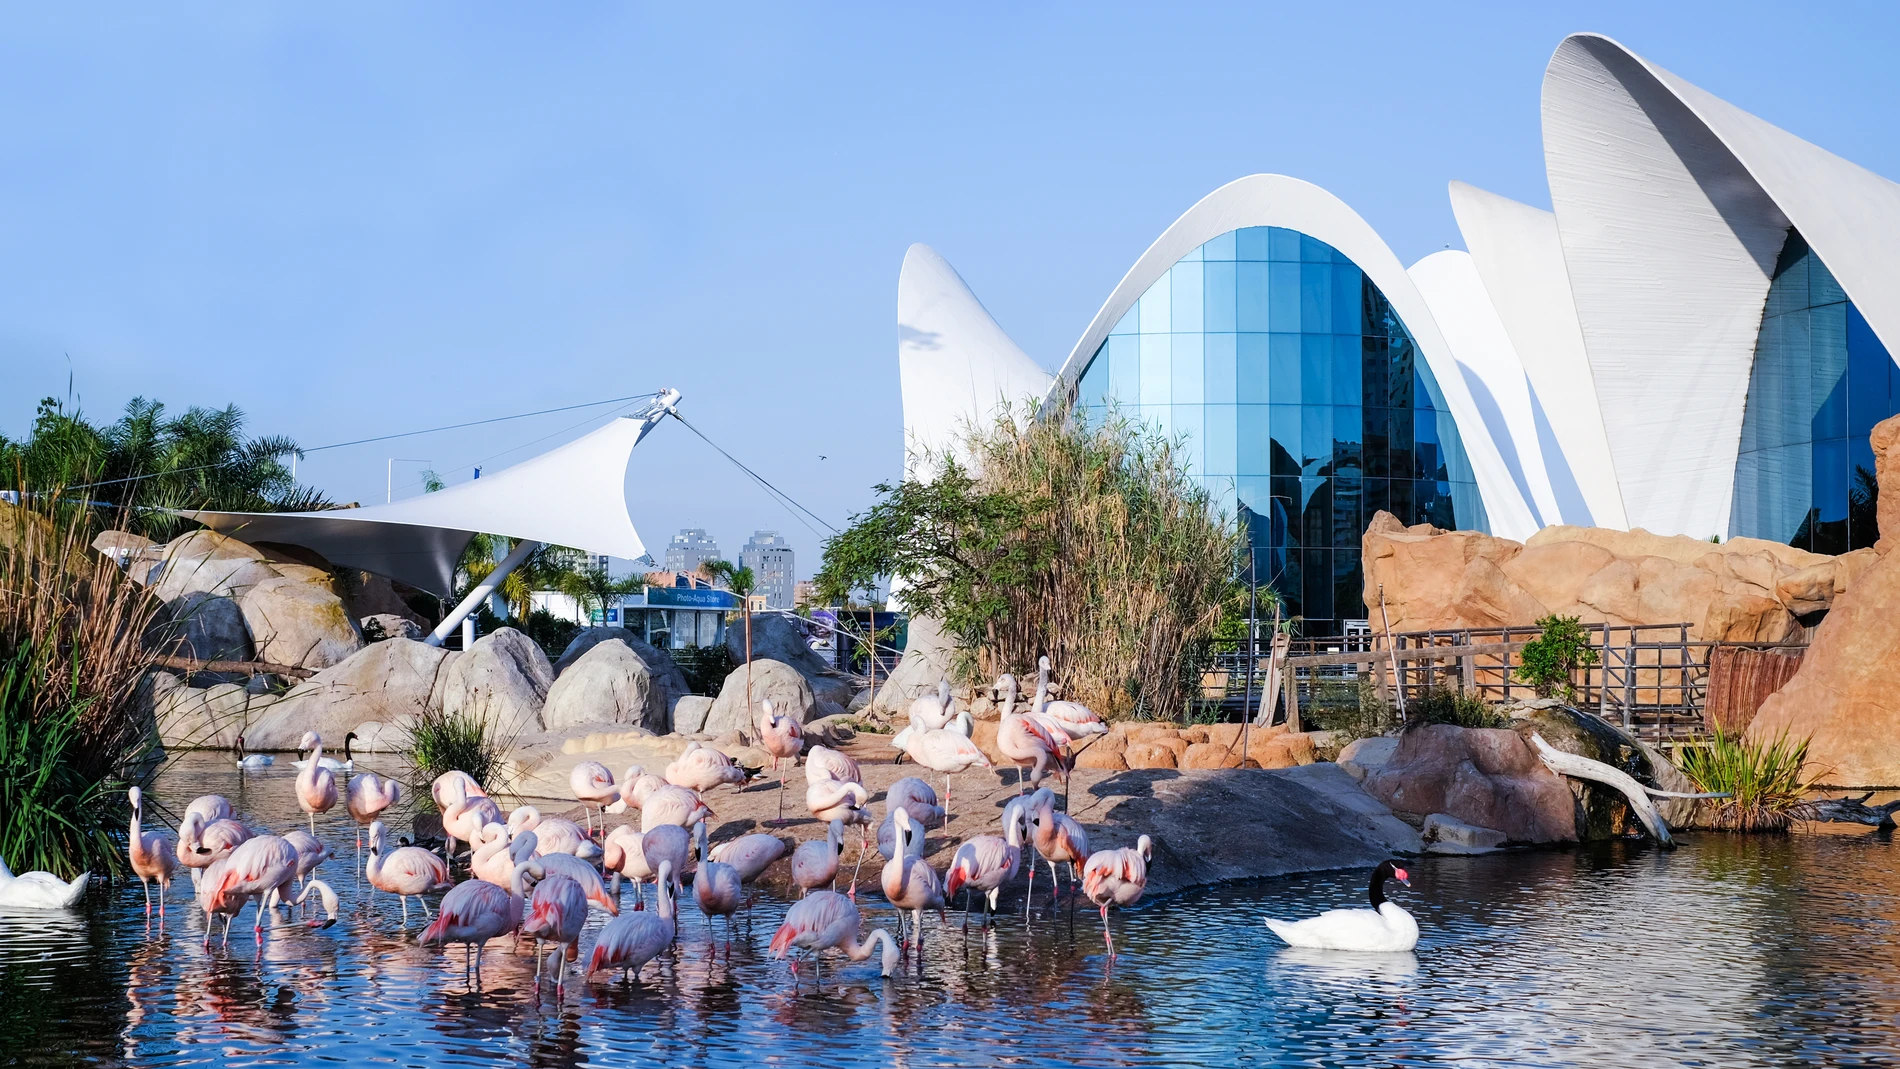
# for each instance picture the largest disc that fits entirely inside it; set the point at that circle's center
(571, 496)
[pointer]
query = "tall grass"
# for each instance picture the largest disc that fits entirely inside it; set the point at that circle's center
(450, 742)
(1767, 780)
(72, 636)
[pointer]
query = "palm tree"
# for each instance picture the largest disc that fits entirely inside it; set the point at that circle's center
(740, 582)
(593, 588)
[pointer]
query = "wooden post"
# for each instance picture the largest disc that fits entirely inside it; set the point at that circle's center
(1292, 686)
(1468, 670)
(1629, 680)
(1398, 673)
(1603, 675)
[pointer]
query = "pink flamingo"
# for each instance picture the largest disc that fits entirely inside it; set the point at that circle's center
(211, 807)
(783, 738)
(635, 786)
(1057, 837)
(556, 835)
(717, 888)
(632, 939)
(933, 710)
(327, 897)
(405, 871)
(261, 867)
(702, 768)
(311, 851)
(581, 873)
(916, 797)
(679, 806)
(827, 920)
(750, 854)
(593, 785)
(366, 797)
(814, 863)
(465, 819)
(909, 882)
(1077, 720)
(202, 842)
(622, 855)
(945, 751)
(454, 786)
(153, 856)
(987, 862)
(823, 762)
(556, 914)
(1117, 877)
(497, 853)
(215, 905)
(316, 785)
(475, 911)
(1027, 742)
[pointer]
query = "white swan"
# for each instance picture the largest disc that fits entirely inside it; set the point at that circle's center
(39, 890)
(251, 762)
(1383, 929)
(348, 764)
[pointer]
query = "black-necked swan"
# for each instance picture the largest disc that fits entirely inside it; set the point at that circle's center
(1385, 928)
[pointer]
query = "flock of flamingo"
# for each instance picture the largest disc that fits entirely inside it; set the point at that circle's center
(537, 877)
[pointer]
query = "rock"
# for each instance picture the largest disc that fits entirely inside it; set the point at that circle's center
(1449, 835)
(1282, 749)
(1210, 755)
(368, 594)
(137, 555)
(668, 680)
(1885, 441)
(1488, 777)
(824, 710)
(1152, 754)
(209, 562)
(388, 625)
(202, 626)
(858, 701)
(298, 620)
(1364, 756)
(927, 655)
(690, 712)
(386, 682)
(787, 689)
(775, 637)
(609, 684)
(1097, 756)
(209, 718)
(1601, 811)
(503, 680)
(834, 730)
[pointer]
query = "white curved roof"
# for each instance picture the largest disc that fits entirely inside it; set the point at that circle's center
(1520, 260)
(1277, 200)
(574, 495)
(955, 364)
(1672, 207)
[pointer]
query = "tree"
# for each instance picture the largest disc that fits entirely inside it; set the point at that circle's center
(593, 588)
(740, 582)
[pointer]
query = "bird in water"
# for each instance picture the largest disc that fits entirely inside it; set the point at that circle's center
(1386, 928)
(153, 856)
(1117, 878)
(827, 920)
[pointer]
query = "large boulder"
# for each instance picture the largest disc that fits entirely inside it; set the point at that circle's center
(385, 682)
(201, 626)
(1483, 776)
(927, 656)
(669, 682)
(503, 680)
(385, 625)
(777, 637)
(208, 718)
(135, 554)
(690, 713)
(298, 620)
(367, 594)
(608, 684)
(785, 686)
(1743, 590)
(210, 562)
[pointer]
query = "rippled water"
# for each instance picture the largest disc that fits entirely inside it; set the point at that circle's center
(1730, 952)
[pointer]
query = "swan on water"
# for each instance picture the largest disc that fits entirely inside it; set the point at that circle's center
(1383, 929)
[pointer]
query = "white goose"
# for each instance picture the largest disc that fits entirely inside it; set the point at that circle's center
(1383, 929)
(39, 890)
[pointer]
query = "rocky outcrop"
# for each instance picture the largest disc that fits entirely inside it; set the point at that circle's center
(608, 684)
(1483, 776)
(690, 713)
(296, 619)
(927, 654)
(668, 681)
(388, 625)
(206, 561)
(135, 554)
(201, 626)
(776, 637)
(786, 687)
(502, 680)
(1743, 590)
(385, 682)
(209, 718)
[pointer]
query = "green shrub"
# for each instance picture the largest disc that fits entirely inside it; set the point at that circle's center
(447, 742)
(1766, 780)
(1552, 659)
(1444, 705)
(53, 816)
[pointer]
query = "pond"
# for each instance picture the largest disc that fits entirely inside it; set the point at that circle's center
(1732, 951)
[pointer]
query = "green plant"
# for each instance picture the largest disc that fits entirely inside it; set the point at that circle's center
(55, 818)
(1552, 658)
(1445, 705)
(445, 742)
(1083, 538)
(1350, 709)
(1766, 780)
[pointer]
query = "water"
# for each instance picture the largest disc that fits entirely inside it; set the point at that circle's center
(1765, 951)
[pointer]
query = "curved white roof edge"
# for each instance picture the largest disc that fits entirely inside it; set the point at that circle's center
(1277, 200)
(956, 365)
(573, 495)
(1673, 206)
(1487, 361)
(1520, 261)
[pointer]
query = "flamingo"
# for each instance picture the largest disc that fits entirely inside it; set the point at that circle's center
(465, 818)
(829, 799)
(405, 871)
(702, 768)
(215, 905)
(668, 804)
(581, 873)
(316, 785)
(666, 847)
(1077, 720)
(211, 807)
(366, 798)
(556, 914)
(1025, 741)
(251, 762)
(827, 920)
(327, 897)
(593, 784)
(750, 854)
(475, 911)
(717, 888)
(945, 751)
(1117, 877)
(987, 862)
(311, 851)
(497, 853)
(261, 867)
(622, 855)
(782, 737)
(631, 940)
(916, 796)
(153, 856)
(635, 786)
(933, 710)
(814, 863)
(41, 890)
(909, 882)
(823, 762)
(1057, 837)
(556, 835)
(348, 764)
(202, 842)
(454, 786)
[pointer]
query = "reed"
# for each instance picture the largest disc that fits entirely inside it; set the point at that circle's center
(1767, 780)
(447, 742)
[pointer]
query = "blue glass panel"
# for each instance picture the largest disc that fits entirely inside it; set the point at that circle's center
(1220, 248)
(1348, 586)
(1375, 497)
(1346, 369)
(1316, 369)
(1288, 580)
(1157, 368)
(1286, 439)
(1159, 418)
(1283, 297)
(1316, 600)
(1251, 243)
(1401, 500)
(1092, 391)
(1219, 382)
(1187, 303)
(1251, 296)
(1253, 441)
(1130, 322)
(1157, 307)
(1347, 303)
(1348, 497)
(1348, 439)
(1316, 298)
(1378, 448)
(1253, 368)
(1871, 394)
(1284, 244)
(1193, 255)
(1125, 368)
(1218, 312)
(1283, 353)
(1373, 365)
(1398, 437)
(1315, 251)
(1316, 439)
(1186, 425)
(1189, 369)
(1217, 450)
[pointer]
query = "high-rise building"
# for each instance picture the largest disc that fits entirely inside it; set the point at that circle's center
(774, 573)
(689, 549)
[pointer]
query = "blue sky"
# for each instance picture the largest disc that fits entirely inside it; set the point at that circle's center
(354, 219)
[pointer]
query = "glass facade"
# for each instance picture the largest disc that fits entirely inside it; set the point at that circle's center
(1303, 403)
(1821, 380)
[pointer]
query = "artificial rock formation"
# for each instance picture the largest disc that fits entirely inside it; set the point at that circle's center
(1743, 590)
(790, 693)
(776, 638)
(387, 682)
(1486, 777)
(502, 680)
(610, 683)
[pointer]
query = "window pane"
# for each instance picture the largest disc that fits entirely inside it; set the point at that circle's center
(1316, 439)
(1316, 601)
(1347, 305)
(1218, 310)
(1286, 439)
(1283, 352)
(1187, 427)
(1125, 368)
(1252, 440)
(1283, 299)
(1252, 367)
(1251, 243)
(1378, 443)
(1348, 439)
(1186, 278)
(1157, 360)
(1349, 586)
(1346, 369)
(1219, 382)
(1217, 447)
(1251, 296)
(1157, 311)
(1315, 251)
(1220, 248)
(1316, 298)
(1316, 369)
(1285, 244)
(1189, 369)
(1130, 322)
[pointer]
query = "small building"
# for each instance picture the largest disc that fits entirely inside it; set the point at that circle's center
(675, 617)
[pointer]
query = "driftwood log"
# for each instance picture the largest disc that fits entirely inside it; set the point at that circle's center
(249, 668)
(1637, 795)
(1854, 811)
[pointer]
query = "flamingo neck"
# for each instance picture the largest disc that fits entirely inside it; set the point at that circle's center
(858, 950)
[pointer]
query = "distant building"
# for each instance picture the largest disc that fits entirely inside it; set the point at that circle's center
(689, 549)
(804, 593)
(773, 571)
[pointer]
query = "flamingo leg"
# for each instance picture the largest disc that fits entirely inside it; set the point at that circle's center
(147, 884)
(1106, 937)
(405, 910)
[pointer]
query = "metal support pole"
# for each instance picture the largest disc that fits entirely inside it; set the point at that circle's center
(473, 600)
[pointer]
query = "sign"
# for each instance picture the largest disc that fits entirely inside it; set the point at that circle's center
(689, 598)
